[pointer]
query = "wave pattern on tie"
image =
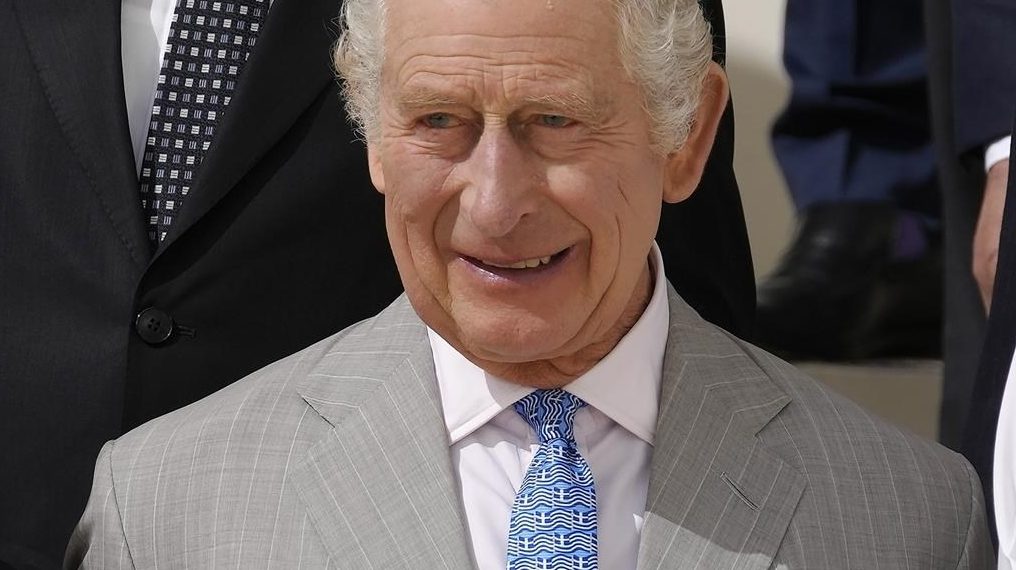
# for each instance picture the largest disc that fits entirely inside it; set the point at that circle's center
(553, 521)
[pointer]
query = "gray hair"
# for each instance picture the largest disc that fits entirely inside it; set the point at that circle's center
(664, 45)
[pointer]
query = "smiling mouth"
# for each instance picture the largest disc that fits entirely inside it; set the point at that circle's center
(523, 265)
(526, 264)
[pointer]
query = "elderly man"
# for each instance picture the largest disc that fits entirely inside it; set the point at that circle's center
(540, 398)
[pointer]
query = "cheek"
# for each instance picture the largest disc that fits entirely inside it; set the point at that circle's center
(637, 221)
(639, 200)
(416, 208)
(416, 184)
(619, 208)
(423, 274)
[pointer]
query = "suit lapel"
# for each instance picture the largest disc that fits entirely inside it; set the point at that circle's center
(287, 71)
(75, 46)
(717, 498)
(380, 487)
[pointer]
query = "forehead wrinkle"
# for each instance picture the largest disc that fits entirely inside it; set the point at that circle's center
(451, 43)
(445, 51)
(528, 65)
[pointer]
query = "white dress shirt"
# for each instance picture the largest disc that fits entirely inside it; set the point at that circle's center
(1004, 484)
(491, 445)
(144, 31)
(997, 152)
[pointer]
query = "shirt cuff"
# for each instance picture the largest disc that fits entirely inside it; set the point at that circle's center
(997, 152)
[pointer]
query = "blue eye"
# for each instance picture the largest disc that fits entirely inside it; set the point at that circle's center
(555, 121)
(439, 120)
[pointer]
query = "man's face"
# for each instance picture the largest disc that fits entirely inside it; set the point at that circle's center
(522, 192)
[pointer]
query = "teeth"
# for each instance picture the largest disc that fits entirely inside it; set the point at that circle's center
(525, 264)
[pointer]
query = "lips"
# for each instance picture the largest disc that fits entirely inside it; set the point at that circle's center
(525, 264)
(518, 266)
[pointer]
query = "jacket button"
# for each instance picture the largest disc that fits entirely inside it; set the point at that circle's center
(154, 326)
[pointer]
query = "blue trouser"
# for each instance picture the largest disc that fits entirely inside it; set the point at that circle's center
(857, 125)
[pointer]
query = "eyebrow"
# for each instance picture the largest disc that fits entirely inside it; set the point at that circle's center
(569, 104)
(422, 98)
(572, 104)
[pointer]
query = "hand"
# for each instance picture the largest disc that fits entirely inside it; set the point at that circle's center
(989, 227)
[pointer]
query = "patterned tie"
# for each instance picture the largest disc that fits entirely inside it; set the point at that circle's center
(209, 41)
(553, 521)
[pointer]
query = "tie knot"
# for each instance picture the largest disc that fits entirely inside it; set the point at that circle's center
(550, 413)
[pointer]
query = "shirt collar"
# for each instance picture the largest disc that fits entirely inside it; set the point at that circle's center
(624, 385)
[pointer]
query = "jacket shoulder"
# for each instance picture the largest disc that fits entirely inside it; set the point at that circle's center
(910, 499)
(819, 416)
(268, 407)
(212, 463)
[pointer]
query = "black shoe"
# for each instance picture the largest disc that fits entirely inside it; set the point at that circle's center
(839, 294)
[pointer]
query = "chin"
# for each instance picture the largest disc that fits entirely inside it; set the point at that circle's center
(514, 343)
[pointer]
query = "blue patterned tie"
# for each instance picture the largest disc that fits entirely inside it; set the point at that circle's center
(553, 521)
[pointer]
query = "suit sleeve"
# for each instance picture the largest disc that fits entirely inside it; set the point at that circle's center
(984, 71)
(978, 552)
(99, 541)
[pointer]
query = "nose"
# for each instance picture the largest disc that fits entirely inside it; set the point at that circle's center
(502, 183)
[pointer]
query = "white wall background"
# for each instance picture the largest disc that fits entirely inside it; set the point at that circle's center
(759, 87)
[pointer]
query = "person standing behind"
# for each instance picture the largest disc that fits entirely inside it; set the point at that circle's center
(171, 220)
(862, 276)
(985, 90)
(976, 91)
(178, 192)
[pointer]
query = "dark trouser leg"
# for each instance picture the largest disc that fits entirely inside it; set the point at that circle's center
(856, 127)
(862, 277)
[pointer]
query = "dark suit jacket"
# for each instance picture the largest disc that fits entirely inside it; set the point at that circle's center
(984, 86)
(984, 63)
(281, 243)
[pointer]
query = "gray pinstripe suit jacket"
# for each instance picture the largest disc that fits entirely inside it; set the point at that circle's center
(337, 457)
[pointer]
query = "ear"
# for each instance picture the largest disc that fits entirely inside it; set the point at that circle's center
(377, 175)
(685, 165)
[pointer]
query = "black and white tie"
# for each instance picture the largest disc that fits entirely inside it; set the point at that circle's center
(209, 42)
